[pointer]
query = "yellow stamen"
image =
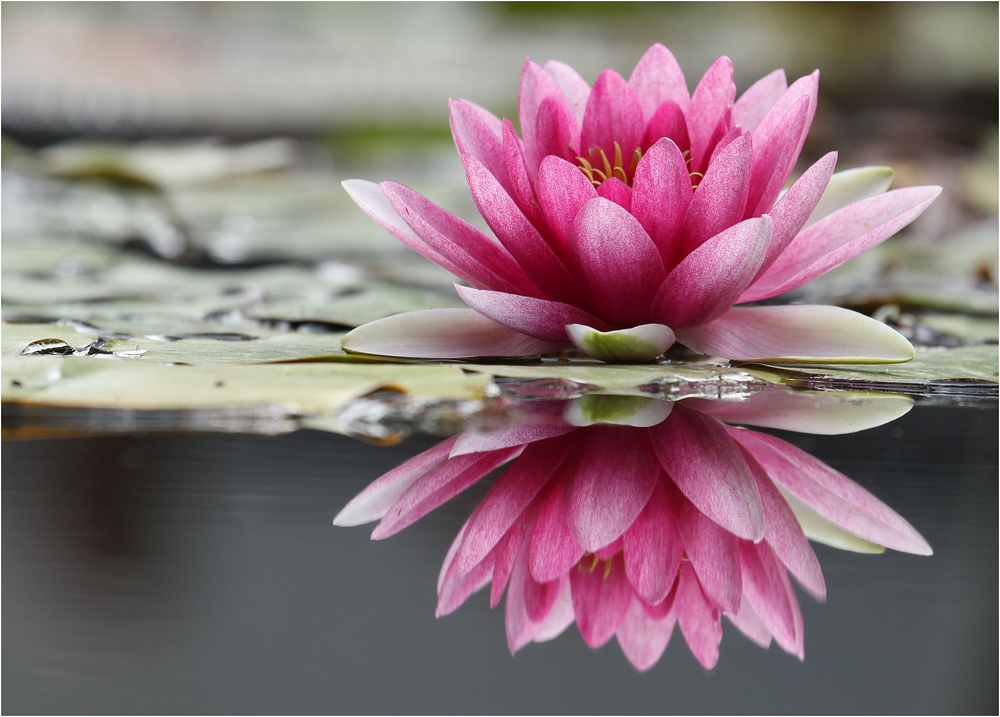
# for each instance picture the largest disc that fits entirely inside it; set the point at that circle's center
(636, 156)
(607, 164)
(601, 175)
(618, 156)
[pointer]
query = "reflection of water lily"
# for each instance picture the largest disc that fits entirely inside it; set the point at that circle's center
(673, 517)
(632, 213)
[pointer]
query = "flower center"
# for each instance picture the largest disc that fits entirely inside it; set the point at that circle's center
(598, 168)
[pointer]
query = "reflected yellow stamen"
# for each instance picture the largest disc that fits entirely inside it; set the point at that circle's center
(593, 564)
(607, 568)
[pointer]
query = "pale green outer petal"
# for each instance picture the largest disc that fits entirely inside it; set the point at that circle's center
(798, 333)
(637, 411)
(818, 528)
(850, 186)
(814, 412)
(443, 334)
(640, 343)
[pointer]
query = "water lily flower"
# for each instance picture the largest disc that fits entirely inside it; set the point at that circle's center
(632, 214)
(632, 515)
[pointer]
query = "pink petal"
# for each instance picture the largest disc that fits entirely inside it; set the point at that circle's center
(479, 255)
(720, 138)
(720, 199)
(574, 87)
(461, 588)
(442, 333)
(797, 334)
(842, 236)
(613, 115)
(374, 501)
(450, 557)
(601, 598)
(520, 628)
(616, 191)
(784, 534)
(713, 554)
(369, 196)
(713, 95)
(773, 163)
(642, 638)
(540, 598)
(711, 278)
(518, 236)
(517, 170)
(667, 122)
(437, 486)
(699, 621)
(609, 480)
(563, 190)
(477, 133)
(536, 85)
(709, 470)
(770, 125)
(725, 134)
(749, 623)
(759, 98)
(662, 609)
(653, 547)
(543, 319)
(547, 417)
(661, 193)
(617, 263)
(831, 494)
(768, 590)
(656, 79)
(792, 211)
(507, 551)
(560, 617)
(554, 128)
(455, 589)
(553, 550)
(512, 492)
(610, 550)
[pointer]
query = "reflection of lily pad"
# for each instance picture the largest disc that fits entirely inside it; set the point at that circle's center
(932, 371)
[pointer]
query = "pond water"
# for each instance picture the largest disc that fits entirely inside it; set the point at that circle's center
(201, 573)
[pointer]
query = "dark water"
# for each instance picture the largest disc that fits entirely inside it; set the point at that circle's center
(201, 573)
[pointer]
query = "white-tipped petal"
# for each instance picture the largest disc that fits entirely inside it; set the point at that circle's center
(849, 186)
(442, 333)
(818, 528)
(637, 411)
(798, 334)
(821, 413)
(641, 343)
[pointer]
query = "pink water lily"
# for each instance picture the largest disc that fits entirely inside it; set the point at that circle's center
(632, 214)
(667, 516)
